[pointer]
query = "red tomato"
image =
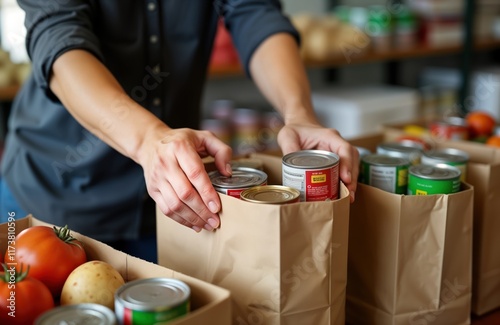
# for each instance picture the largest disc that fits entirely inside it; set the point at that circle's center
(480, 123)
(51, 253)
(22, 297)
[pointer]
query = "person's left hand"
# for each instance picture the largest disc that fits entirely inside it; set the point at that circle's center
(295, 137)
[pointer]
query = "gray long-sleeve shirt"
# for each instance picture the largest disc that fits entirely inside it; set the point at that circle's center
(159, 51)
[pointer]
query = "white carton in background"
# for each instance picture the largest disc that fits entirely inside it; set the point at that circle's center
(356, 111)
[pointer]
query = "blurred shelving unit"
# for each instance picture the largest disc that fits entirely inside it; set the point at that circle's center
(394, 57)
(420, 51)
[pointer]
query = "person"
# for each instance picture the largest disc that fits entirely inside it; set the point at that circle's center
(106, 126)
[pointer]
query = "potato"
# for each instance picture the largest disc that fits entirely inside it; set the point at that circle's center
(92, 282)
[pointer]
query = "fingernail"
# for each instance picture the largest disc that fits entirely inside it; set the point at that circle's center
(212, 222)
(208, 227)
(195, 228)
(353, 195)
(214, 208)
(229, 169)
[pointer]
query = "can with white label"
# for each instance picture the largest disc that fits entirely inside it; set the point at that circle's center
(385, 172)
(315, 173)
(85, 313)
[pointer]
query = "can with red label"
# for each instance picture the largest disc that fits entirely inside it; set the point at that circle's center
(241, 179)
(315, 173)
(451, 128)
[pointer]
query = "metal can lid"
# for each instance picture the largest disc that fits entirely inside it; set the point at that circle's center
(403, 147)
(362, 151)
(87, 313)
(435, 172)
(446, 155)
(271, 194)
(455, 120)
(385, 160)
(305, 159)
(153, 294)
(242, 177)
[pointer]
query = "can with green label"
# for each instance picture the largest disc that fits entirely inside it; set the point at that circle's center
(433, 179)
(449, 156)
(152, 301)
(385, 172)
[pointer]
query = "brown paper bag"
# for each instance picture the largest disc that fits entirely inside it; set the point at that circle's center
(483, 172)
(283, 264)
(409, 258)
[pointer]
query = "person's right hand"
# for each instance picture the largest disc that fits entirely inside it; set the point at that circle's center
(176, 178)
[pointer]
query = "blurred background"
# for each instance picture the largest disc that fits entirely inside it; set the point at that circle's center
(369, 62)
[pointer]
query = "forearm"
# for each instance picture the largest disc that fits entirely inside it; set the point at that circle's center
(277, 69)
(97, 101)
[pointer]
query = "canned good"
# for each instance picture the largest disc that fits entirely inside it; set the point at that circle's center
(271, 194)
(246, 125)
(315, 173)
(362, 151)
(385, 172)
(410, 151)
(151, 301)
(220, 128)
(411, 140)
(451, 128)
(449, 156)
(242, 178)
(88, 313)
(438, 179)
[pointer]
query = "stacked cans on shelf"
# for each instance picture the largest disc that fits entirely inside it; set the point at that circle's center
(413, 168)
(246, 130)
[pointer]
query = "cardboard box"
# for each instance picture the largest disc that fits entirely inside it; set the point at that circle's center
(209, 304)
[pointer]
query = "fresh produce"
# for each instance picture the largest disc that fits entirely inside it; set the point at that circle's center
(22, 297)
(51, 253)
(480, 123)
(92, 282)
(493, 141)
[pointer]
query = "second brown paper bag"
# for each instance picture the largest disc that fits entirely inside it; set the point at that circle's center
(410, 258)
(283, 264)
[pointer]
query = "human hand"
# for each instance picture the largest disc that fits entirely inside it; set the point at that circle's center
(176, 178)
(294, 137)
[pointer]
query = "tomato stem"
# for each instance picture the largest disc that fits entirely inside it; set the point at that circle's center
(18, 275)
(65, 235)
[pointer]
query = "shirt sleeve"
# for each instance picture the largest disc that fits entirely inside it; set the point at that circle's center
(250, 22)
(54, 27)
